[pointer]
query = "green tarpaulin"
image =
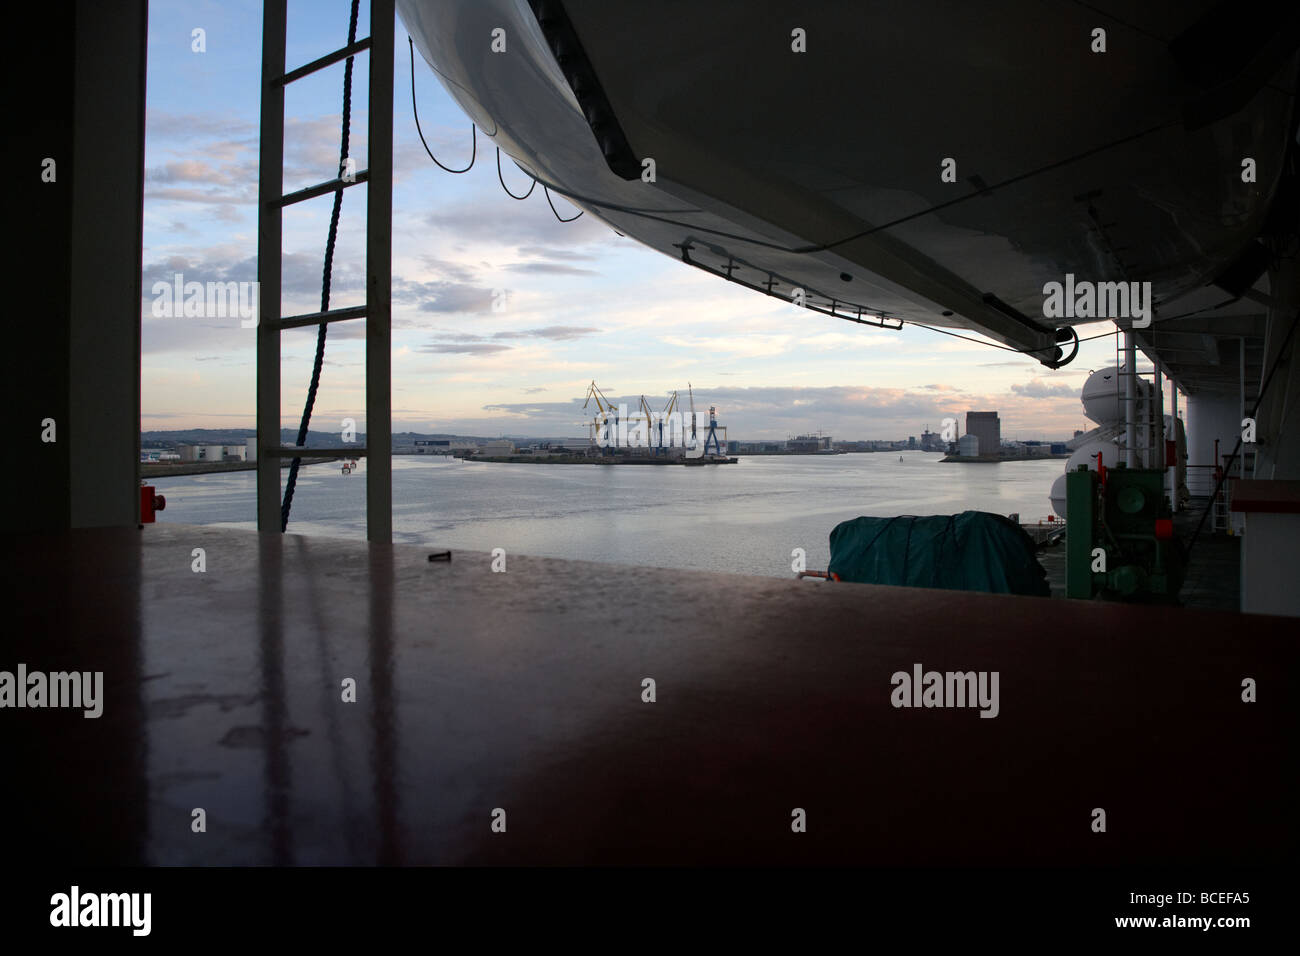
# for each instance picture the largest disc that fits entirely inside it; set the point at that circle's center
(971, 551)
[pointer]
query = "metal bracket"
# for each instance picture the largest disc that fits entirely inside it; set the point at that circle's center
(882, 320)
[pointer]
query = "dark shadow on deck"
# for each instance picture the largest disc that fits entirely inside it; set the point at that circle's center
(523, 691)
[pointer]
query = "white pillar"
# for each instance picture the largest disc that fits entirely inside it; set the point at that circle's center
(1173, 472)
(1130, 399)
(1158, 424)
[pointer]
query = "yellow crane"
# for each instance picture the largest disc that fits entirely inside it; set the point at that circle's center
(666, 416)
(606, 411)
(595, 394)
(649, 421)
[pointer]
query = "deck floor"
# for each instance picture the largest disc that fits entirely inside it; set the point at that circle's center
(523, 692)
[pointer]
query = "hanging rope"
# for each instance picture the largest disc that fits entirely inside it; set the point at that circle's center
(552, 205)
(326, 274)
(473, 153)
(507, 188)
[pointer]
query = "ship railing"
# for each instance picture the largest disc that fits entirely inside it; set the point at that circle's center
(1201, 480)
(1206, 481)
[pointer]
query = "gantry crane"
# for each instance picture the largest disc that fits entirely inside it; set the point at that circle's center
(603, 407)
(712, 438)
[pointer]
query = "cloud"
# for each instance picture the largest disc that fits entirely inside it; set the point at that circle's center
(550, 268)
(769, 409)
(188, 171)
(542, 252)
(556, 333)
(448, 342)
(190, 126)
(446, 269)
(530, 224)
(459, 336)
(463, 348)
(449, 297)
(1037, 388)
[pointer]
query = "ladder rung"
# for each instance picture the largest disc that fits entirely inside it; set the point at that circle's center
(327, 60)
(297, 451)
(319, 318)
(311, 192)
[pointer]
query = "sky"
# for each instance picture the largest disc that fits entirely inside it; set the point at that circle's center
(582, 303)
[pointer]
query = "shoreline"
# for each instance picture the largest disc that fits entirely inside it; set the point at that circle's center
(990, 460)
(152, 469)
(596, 460)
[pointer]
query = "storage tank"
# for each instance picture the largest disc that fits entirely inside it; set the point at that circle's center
(250, 449)
(968, 446)
(214, 452)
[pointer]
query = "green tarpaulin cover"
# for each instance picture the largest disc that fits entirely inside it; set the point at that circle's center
(971, 551)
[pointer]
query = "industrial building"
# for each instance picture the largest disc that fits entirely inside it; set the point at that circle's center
(214, 452)
(808, 444)
(987, 427)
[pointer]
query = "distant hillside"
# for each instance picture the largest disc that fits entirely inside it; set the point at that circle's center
(315, 439)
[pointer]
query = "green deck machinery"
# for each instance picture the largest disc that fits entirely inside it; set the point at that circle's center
(1119, 539)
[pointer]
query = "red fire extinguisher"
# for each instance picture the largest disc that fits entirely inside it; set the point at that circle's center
(150, 503)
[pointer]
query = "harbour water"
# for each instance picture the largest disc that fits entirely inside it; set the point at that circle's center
(743, 518)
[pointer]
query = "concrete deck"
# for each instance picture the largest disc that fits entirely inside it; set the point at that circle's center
(523, 691)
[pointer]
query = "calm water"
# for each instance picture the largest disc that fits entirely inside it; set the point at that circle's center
(741, 518)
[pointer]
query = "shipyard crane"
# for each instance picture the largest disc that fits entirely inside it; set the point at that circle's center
(712, 438)
(691, 393)
(664, 416)
(595, 394)
(603, 406)
(649, 421)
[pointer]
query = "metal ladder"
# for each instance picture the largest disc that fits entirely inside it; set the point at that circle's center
(379, 248)
(1219, 516)
(1221, 513)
